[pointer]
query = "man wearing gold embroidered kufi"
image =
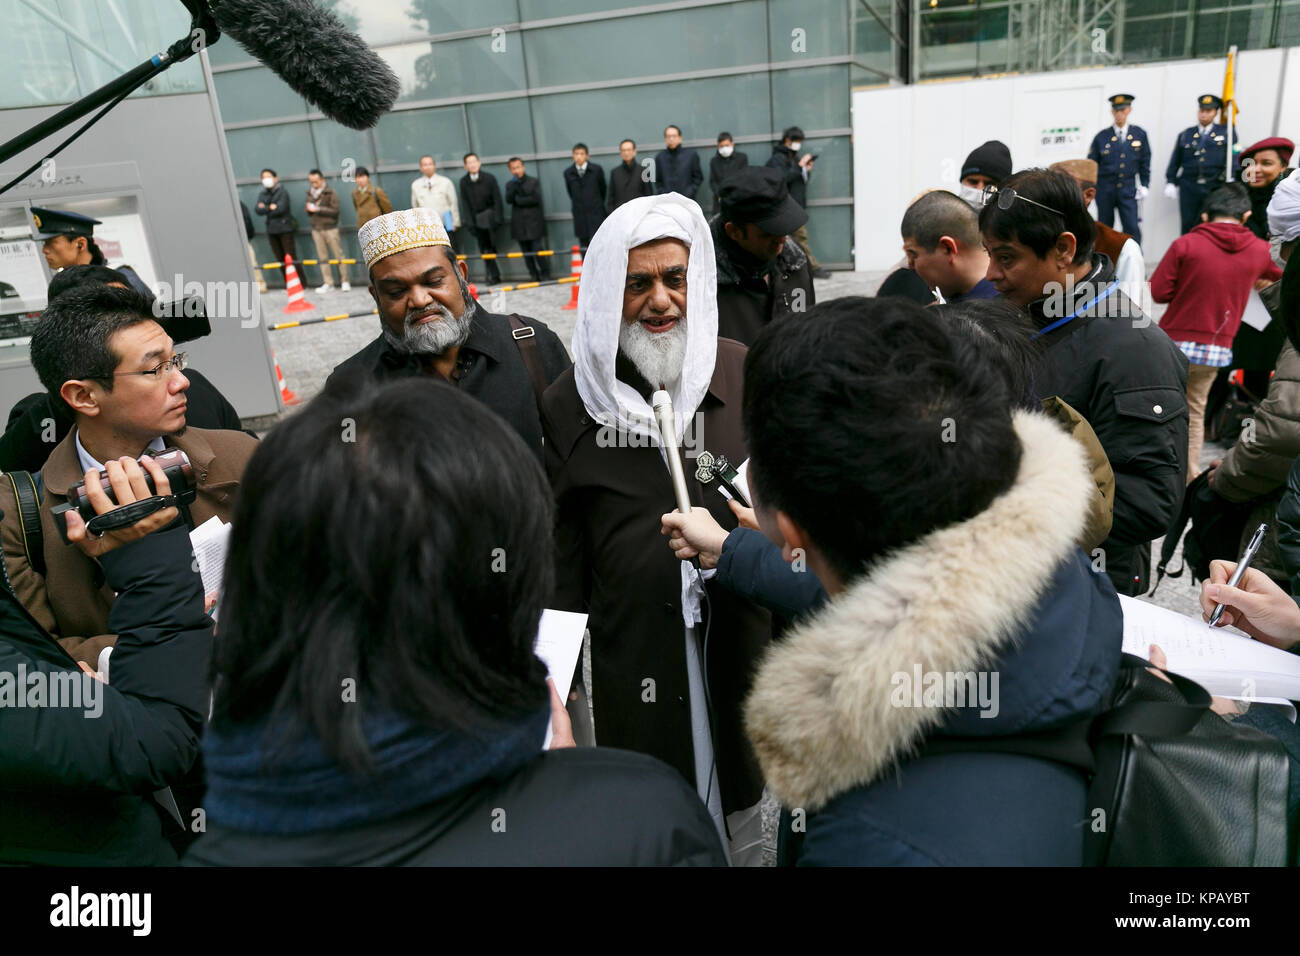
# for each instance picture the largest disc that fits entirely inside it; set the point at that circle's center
(431, 325)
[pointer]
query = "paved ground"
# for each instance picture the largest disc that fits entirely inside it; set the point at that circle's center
(307, 355)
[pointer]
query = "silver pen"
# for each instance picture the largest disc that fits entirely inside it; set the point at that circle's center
(1256, 540)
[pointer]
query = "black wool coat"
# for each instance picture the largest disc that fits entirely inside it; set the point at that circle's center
(626, 182)
(482, 199)
(524, 197)
(587, 196)
(615, 565)
(746, 301)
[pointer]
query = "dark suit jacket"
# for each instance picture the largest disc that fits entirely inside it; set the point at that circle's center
(587, 195)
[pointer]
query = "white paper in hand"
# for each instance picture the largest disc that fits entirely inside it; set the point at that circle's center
(558, 644)
(1256, 314)
(210, 542)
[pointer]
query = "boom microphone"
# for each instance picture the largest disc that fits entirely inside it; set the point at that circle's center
(662, 404)
(311, 50)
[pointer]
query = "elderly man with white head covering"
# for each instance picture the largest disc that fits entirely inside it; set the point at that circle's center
(670, 663)
(431, 325)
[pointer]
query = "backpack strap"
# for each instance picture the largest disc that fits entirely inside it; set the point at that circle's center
(1069, 745)
(27, 490)
(525, 337)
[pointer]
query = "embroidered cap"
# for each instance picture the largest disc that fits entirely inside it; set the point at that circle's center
(400, 230)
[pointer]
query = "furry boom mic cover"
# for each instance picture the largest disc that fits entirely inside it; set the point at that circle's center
(311, 50)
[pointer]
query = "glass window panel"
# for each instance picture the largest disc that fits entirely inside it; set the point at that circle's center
(602, 117)
(429, 71)
(256, 94)
(676, 42)
(820, 26)
(1288, 27)
(287, 149)
(873, 45)
(1159, 38)
(830, 233)
(545, 9)
(500, 127)
(42, 63)
(1139, 8)
(814, 98)
(430, 17)
(1248, 27)
(338, 147)
(405, 136)
(832, 176)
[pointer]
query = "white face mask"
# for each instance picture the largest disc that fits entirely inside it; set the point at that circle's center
(268, 182)
(725, 151)
(795, 146)
(974, 197)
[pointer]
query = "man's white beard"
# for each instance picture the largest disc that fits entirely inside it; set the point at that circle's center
(432, 338)
(658, 356)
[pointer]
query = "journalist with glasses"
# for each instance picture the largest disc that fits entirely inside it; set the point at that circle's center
(1100, 354)
(99, 351)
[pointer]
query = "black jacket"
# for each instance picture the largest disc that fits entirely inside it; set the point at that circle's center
(23, 448)
(524, 196)
(280, 219)
(76, 791)
(585, 806)
(1123, 374)
(720, 167)
(747, 303)
(482, 199)
(787, 161)
(587, 198)
(496, 374)
(678, 171)
(1288, 528)
(625, 183)
(248, 221)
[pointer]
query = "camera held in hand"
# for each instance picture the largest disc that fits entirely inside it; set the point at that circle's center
(180, 475)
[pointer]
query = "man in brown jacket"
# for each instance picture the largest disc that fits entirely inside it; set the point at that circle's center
(323, 210)
(370, 201)
(99, 350)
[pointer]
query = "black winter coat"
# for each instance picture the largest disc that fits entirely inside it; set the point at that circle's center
(747, 303)
(76, 791)
(787, 161)
(524, 197)
(495, 372)
(1253, 350)
(587, 198)
(678, 171)
(480, 197)
(1126, 377)
(22, 447)
(720, 167)
(626, 183)
(280, 219)
(583, 806)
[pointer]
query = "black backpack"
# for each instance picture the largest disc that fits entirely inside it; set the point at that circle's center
(1171, 783)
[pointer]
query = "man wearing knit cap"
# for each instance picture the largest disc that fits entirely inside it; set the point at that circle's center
(431, 325)
(1122, 153)
(987, 165)
(1199, 161)
(1120, 248)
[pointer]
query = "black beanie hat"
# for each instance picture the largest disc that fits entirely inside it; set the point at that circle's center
(992, 159)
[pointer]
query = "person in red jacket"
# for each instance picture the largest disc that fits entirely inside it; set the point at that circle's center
(1206, 277)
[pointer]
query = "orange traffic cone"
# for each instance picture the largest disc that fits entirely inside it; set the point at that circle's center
(577, 271)
(286, 396)
(293, 285)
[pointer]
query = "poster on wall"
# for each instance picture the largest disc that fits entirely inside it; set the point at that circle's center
(122, 240)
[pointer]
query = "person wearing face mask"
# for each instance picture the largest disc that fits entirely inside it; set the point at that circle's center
(273, 203)
(987, 165)
(796, 169)
(725, 163)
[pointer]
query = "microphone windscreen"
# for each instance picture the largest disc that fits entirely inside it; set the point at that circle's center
(310, 49)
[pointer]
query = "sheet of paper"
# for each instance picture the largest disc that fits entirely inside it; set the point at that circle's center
(210, 542)
(1222, 660)
(1256, 314)
(558, 645)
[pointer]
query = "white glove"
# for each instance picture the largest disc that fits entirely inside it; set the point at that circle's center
(1142, 192)
(1171, 191)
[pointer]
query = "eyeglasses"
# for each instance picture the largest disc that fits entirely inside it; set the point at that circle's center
(1007, 196)
(160, 371)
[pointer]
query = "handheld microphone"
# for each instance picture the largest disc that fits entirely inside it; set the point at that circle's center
(662, 404)
(311, 50)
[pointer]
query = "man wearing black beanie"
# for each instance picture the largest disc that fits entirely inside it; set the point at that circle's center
(987, 165)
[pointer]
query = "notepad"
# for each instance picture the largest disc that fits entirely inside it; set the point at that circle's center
(558, 644)
(1223, 660)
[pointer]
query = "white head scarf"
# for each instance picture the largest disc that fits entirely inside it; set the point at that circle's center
(600, 315)
(1283, 209)
(600, 312)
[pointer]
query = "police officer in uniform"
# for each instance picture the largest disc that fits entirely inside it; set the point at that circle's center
(1123, 157)
(68, 239)
(1199, 161)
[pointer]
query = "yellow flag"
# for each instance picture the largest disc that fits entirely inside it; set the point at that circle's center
(1227, 85)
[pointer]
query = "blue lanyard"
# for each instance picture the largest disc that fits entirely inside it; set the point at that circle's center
(1087, 305)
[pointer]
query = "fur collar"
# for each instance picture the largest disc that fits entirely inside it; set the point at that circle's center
(820, 715)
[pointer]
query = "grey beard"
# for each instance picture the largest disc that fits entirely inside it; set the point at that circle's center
(658, 356)
(434, 338)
